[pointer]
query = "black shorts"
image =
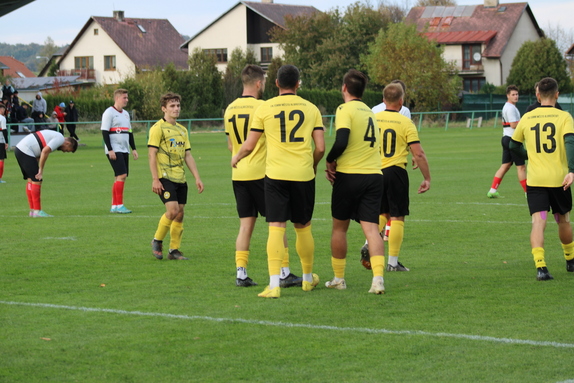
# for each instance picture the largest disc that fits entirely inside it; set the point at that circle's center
(121, 164)
(357, 196)
(28, 164)
(289, 200)
(2, 151)
(173, 191)
(542, 199)
(250, 197)
(508, 155)
(395, 192)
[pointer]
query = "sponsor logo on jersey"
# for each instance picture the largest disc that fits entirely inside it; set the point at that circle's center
(174, 144)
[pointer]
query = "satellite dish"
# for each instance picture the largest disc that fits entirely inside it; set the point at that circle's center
(477, 56)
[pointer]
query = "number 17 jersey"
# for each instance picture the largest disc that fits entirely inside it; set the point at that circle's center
(288, 122)
(543, 130)
(238, 119)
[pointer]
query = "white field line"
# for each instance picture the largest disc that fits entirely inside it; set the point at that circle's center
(300, 325)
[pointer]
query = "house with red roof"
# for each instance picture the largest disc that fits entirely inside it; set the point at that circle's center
(10, 67)
(246, 26)
(481, 40)
(109, 49)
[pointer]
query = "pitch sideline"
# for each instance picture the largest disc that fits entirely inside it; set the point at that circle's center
(300, 325)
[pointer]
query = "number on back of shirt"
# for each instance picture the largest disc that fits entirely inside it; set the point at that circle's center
(296, 115)
(545, 137)
(240, 137)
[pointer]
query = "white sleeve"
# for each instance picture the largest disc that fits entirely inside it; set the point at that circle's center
(107, 120)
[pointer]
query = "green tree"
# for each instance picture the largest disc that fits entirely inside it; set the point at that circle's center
(326, 45)
(536, 60)
(205, 85)
(401, 52)
(232, 84)
(271, 89)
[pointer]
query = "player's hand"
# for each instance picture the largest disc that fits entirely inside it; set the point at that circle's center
(568, 180)
(39, 175)
(234, 161)
(6, 146)
(135, 154)
(415, 166)
(330, 171)
(157, 187)
(425, 186)
(199, 186)
(112, 155)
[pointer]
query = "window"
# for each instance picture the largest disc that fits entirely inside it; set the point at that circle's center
(221, 54)
(469, 55)
(266, 54)
(473, 84)
(86, 62)
(109, 62)
(96, 31)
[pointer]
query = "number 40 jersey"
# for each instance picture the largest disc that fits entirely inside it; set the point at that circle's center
(542, 131)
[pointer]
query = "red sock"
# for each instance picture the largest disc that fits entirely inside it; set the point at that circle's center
(496, 182)
(29, 195)
(36, 203)
(118, 193)
(1, 167)
(523, 183)
(114, 194)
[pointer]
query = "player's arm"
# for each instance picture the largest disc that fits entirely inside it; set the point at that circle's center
(339, 146)
(156, 185)
(229, 144)
(133, 146)
(514, 124)
(190, 162)
(420, 159)
(569, 144)
(43, 158)
(247, 147)
(319, 152)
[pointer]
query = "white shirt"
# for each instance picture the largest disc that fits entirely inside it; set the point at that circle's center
(29, 144)
(2, 127)
(119, 125)
(381, 107)
(510, 114)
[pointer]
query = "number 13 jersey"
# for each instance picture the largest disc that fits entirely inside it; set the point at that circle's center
(542, 130)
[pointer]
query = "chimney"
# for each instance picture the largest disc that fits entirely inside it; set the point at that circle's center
(490, 3)
(119, 15)
(267, 1)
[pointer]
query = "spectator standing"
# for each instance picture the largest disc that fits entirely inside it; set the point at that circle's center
(72, 117)
(3, 141)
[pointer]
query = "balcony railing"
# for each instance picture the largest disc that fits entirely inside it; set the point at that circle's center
(85, 74)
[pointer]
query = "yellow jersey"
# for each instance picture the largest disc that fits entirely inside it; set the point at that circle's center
(172, 142)
(397, 133)
(542, 131)
(363, 153)
(288, 122)
(238, 119)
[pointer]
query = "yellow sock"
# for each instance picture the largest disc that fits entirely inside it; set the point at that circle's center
(275, 249)
(396, 236)
(162, 228)
(568, 251)
(175, 233)
(286, 258)
(241, 258)
(378, 265)
(382, 223)
(339, 267)
(305, 245)
(538, 253)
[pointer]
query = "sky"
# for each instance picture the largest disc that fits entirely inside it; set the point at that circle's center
(62, 20)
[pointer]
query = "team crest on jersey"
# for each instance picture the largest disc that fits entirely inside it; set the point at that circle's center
(166, 195)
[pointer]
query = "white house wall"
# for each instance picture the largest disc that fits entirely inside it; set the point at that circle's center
(523, 32)
(229, 32)
(99, 46)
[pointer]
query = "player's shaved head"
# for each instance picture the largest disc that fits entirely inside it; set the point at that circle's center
(251, 74)
(288, 77)
(120, 92)
(393, 93)
(356, 82)
(547, 88)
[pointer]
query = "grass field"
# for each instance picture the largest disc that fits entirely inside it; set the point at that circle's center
(83, 300)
